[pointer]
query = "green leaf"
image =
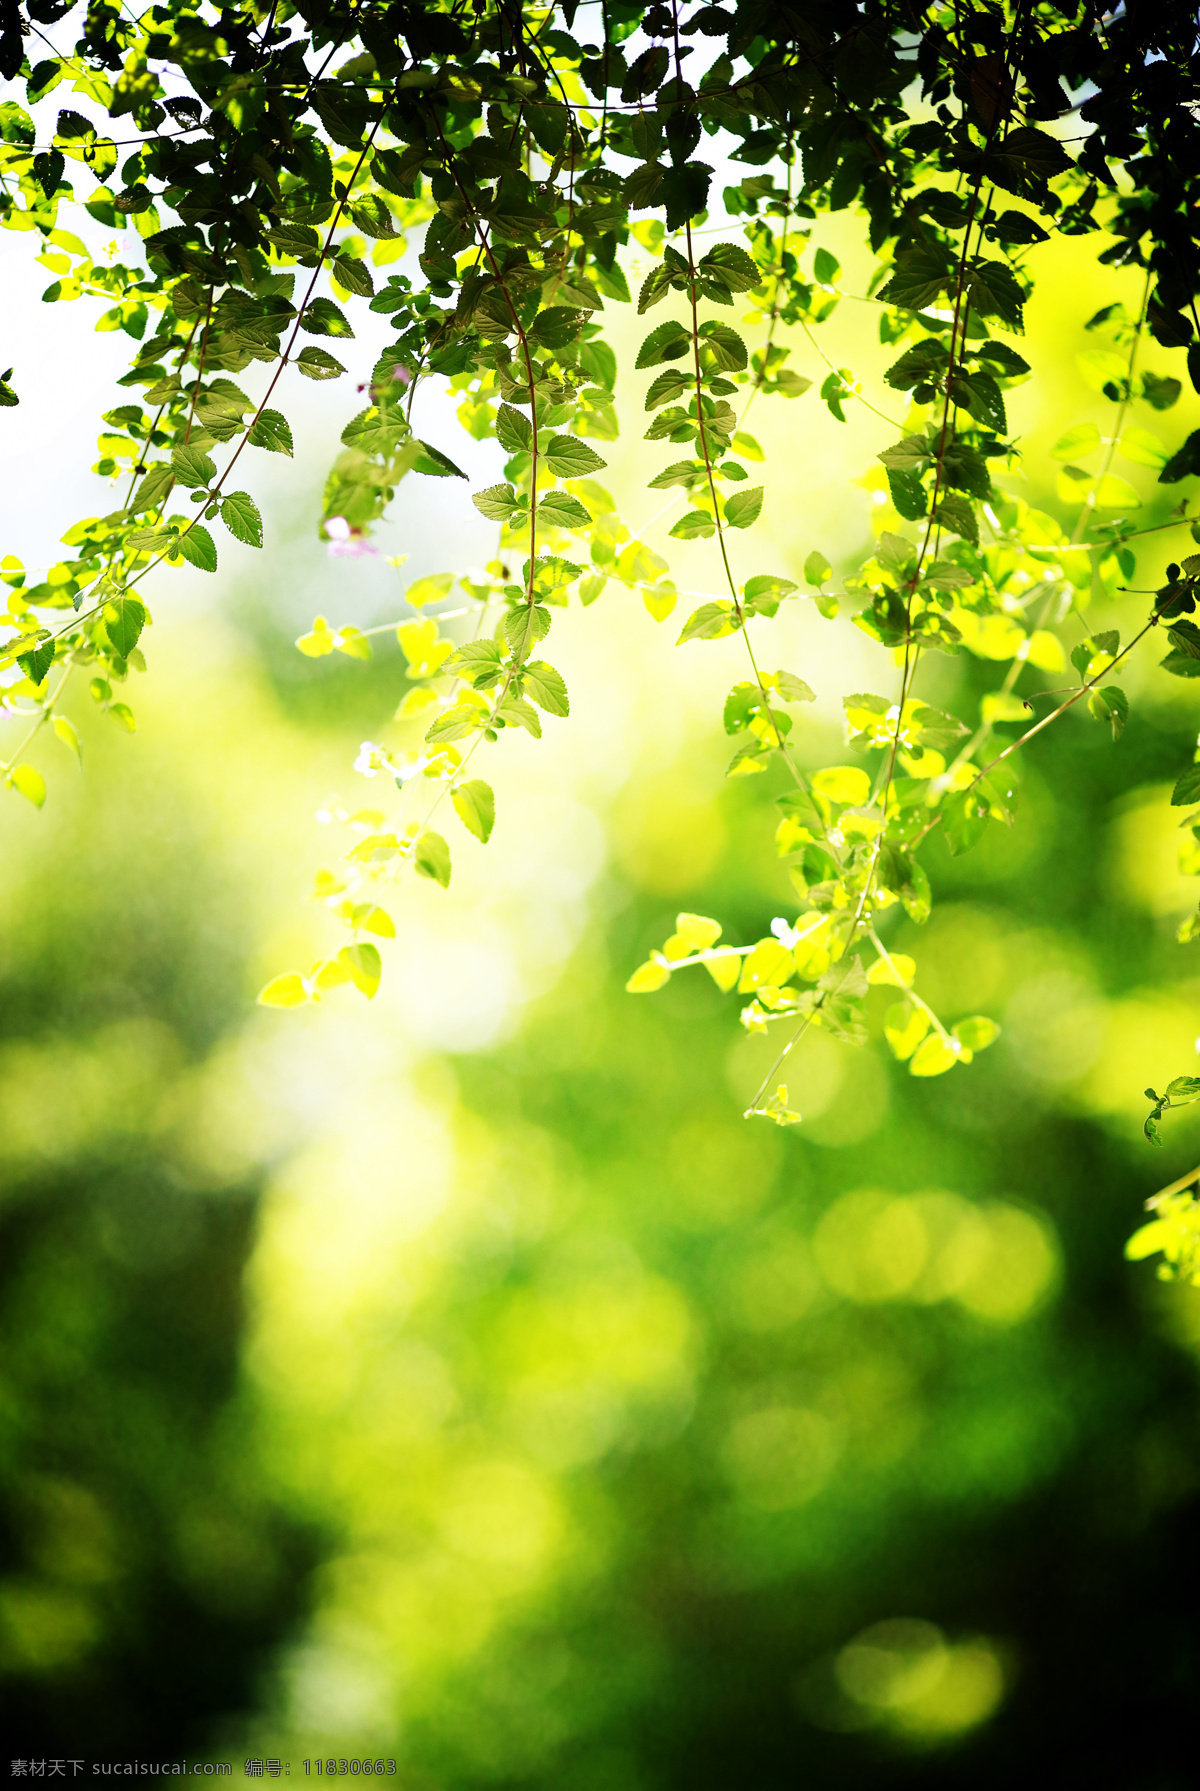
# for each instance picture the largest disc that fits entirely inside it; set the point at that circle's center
(198, 548)
(793, 689)
(669, 386)
(709, 622)
(354, 276)
(191, 467)
(817, 569)
(826, 267)
(556, 326)
(1184, 463)
(514, 432)
(497, 502)
(434, 464)
(36, 664)
(732, 267)
(640, 188)
(240, 515)
(432, 859)
(985, 401)
(694, 525)
(515, 710)
(297, 240)
(1112, 705)
(956, 514)
(1187, 787)
(741, 706)
(569, 458)
(684, 192)
(475, 806)
(271, 431)
(681, 472)
(314, 363)
(363, 963)
(964, 820)
(744, 507)
(995, 292)
(669, 342)
(766, 587)
(920, 278)
(153, 488)
(524, 627)
(455, 724)
(546, 687)
(321, 317)
(1160, 393)
(124, 619)
(724, 345)
(562, 511)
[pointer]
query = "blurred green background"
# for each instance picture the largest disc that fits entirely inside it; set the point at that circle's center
(460, 1378)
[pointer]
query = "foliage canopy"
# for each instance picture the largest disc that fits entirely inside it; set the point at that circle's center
(250, 155)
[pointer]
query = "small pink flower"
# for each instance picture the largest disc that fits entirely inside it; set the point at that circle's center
(344, 542)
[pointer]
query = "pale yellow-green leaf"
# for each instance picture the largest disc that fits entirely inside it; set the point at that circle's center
(1100, 367)
(329, 975)
(1046, 651)
(659, 600)
(284, 991)
(790, 835)
(769, 962)
(319, 641)
(1000, 705)
(29, 783)
(352, 641)
(976, 1033)
(651, 975)
(375, 849)
(431, 858)
(934, 1057)
(811, 955)
(67, 733)
(747, 446)
(776, 1108)
(989, 637)
(475, 805)
(696, 931)
(639, 564)
(418, 702)
(326, 884)
(124, 716)
(724, 971)
(896, 970)
(1080, 440)
(904, 1026)
(422, 647)
(430, 589)
(363, 965)
(1150, 1238)
(842, 783)
(1116, 494)
(1143, 448)
(369, 917)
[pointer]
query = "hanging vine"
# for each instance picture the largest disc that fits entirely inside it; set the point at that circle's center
(263, 193)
